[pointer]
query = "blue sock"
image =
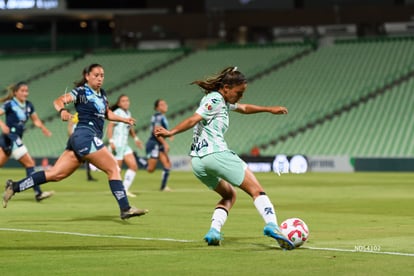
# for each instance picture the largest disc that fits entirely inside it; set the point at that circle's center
(34, 179)
(36, 188)
(29, 171)
(119, 193)
(165, 175)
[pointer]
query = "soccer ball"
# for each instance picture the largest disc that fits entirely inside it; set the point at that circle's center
(295, 230)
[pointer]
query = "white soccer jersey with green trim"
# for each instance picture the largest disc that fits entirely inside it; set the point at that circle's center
(121, 130)
(208, 134)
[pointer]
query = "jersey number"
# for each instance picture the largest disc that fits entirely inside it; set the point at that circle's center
(199, 145)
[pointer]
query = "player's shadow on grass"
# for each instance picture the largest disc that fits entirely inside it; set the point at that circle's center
(103, 218)
(114, 217)
(265, 244)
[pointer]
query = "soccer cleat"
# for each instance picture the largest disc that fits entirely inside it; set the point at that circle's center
(213, 237)
(129, 194)
(133, 212)
(44, 195)
(272, 230)
(8, 192)
(167, 189)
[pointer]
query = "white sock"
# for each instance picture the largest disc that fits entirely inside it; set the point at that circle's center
(265, 208)
(128, 179)
(218, 219)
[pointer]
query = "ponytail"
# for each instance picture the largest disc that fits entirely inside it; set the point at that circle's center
(228, 76)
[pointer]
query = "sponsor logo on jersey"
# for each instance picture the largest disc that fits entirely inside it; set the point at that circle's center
(98, 142)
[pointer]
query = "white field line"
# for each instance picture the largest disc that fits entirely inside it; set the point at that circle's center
(188, 241)
(360, 251)
(92, 235)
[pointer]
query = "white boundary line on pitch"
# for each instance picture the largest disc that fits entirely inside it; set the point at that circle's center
(93, 235)
(361, 251)
(188, 241)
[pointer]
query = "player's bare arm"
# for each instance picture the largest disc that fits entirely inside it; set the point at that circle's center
(60, 103)
(113, 117)
(251, 109)
(181, 127)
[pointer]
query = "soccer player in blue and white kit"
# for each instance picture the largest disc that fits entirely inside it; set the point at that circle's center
(85, 143)
(118, 134)
(18, 111)
(157, 147)
(214, 164)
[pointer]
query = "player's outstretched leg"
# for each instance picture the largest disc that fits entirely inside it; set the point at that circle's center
(272, 230)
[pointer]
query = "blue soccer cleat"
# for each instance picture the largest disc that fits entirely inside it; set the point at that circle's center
(272, 230)
(213, 237)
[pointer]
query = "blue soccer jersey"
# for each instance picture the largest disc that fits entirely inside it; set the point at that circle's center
(158, 119)
(91, 107)
(17, 114)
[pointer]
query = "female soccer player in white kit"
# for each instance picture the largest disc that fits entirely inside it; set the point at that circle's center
(214, 164)
(118, 133)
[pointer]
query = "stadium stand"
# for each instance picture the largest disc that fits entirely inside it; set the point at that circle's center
(379, 127)
(120, 68)
(321, 84)
(337, 84)
(25, 67)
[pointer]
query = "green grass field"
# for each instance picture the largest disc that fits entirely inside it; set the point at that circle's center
(360, 224)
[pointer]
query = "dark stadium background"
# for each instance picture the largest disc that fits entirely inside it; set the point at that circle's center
(121, 23)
